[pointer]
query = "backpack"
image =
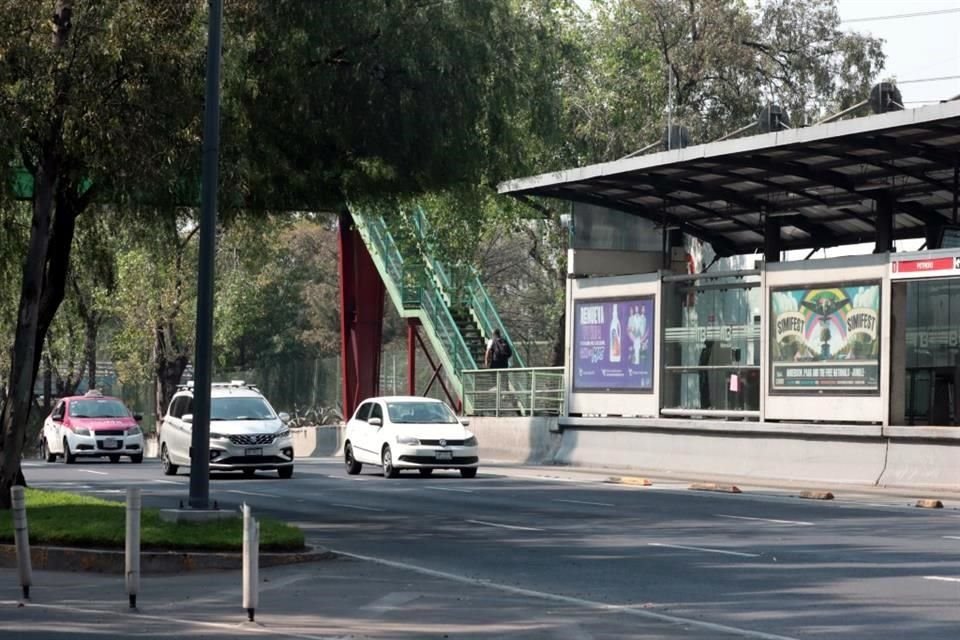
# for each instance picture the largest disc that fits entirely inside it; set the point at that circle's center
(501, 351)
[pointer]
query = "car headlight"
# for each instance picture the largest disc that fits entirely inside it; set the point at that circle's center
(134, 431)
(81, 431)
(218, 436)
(407, 440)
(470, 442)
(283, 434)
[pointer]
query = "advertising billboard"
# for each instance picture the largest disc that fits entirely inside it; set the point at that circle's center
(826, 339)
(613, 342)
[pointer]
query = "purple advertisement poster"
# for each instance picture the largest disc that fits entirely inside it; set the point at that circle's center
(613, 344)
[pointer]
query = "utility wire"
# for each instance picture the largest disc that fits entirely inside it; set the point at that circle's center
(896, 16)
(916, 80)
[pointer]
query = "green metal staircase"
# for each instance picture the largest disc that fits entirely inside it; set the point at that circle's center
(457, 314)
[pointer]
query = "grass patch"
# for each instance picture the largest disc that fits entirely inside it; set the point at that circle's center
(72, 520)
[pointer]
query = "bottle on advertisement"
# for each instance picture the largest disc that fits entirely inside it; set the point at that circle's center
(615, 336)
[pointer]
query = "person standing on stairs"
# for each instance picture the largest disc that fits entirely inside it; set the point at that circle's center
(498, 352)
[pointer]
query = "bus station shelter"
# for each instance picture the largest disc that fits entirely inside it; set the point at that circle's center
(682, 307)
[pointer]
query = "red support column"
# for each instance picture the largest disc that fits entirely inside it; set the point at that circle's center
(412, 324)
(361, 318)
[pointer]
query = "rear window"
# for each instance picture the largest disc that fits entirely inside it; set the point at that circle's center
(420, 413)
(240, 409)
(104, 408)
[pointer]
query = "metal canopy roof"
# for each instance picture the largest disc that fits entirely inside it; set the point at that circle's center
(821, 183)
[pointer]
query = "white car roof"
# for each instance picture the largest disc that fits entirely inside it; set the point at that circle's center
(404, 399)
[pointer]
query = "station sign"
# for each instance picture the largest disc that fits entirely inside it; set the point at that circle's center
(932, 267)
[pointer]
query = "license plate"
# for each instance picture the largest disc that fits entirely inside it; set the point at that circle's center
(444, 455)
(111, 443)
(254, 452)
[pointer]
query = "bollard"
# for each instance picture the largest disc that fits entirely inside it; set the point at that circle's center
(133, 545)
(21, 539)
(251, 562)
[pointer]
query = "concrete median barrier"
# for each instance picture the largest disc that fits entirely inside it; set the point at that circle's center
(532, 440)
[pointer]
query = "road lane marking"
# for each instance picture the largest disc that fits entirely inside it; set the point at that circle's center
(99, 473)
(704, 549)
(941, 578)
(631, 610)
(952, 537)
(356, 506)
(503, 526)
(796, 522)
(390, 601)
(253, 493)
(595, 504)
(168, 482)
(449, 489)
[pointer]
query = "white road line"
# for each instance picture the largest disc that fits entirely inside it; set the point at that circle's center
(356, 506)
(796, 522)
(450, 489)
(941, 578)
(503, 526)
(580, 602)
(390, 601)
(952, 537)
(704, 549)
(167, 482)
(99, 473)
(253, 493)
(595, 504)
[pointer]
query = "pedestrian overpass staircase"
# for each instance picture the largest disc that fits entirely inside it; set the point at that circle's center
(451, 304)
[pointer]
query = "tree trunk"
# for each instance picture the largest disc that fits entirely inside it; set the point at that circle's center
(560, 340)
(90, 348)
(16, 408)
(170, 363)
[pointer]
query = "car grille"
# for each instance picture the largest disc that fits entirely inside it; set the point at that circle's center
(110, 432)
(446, 443)
(250, 460)
(254, 438)
(433, 460)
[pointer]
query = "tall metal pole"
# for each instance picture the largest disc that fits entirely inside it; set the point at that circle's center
(200, 450)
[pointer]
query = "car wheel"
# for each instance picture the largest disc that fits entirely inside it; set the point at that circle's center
(353, 467)
(136, 459)
(169, 469)
(45, 452)
(285, 472)
(389, 471)
(469, 472)
(426, 472)
(114, 459)
(68, 457)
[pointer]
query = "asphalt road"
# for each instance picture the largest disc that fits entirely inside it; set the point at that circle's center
(761, 564)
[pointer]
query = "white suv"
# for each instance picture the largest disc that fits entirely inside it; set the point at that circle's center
(245, 433)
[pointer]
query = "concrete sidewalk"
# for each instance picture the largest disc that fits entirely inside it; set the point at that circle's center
(343, 598)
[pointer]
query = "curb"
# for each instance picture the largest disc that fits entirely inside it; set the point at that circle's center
(156, 562)
(631, 480)
(712, 486)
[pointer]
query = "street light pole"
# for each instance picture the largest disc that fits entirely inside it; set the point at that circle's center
(200, 449)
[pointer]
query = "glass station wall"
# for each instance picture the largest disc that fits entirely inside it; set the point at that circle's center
(711, 345)
(932, 351)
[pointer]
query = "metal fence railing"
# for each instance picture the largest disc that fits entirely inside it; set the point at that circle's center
(535, 391)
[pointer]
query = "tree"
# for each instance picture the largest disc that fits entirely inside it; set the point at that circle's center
(92, 100)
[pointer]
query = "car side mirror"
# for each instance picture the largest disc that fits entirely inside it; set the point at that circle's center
(465, 422)
(375, 422)
(187, 417)
(138, 417)
(284, 417)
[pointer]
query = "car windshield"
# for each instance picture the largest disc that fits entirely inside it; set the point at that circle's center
(98, 409)
(240, 409)
(420, 413)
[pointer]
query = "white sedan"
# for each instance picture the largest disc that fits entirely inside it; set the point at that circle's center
(409, 432)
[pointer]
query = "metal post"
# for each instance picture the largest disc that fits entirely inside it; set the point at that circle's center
(133, 545)
(498, 394)
(21, 539)
(533, 392)
(412, 356)
(251, 563)
(200, 450)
